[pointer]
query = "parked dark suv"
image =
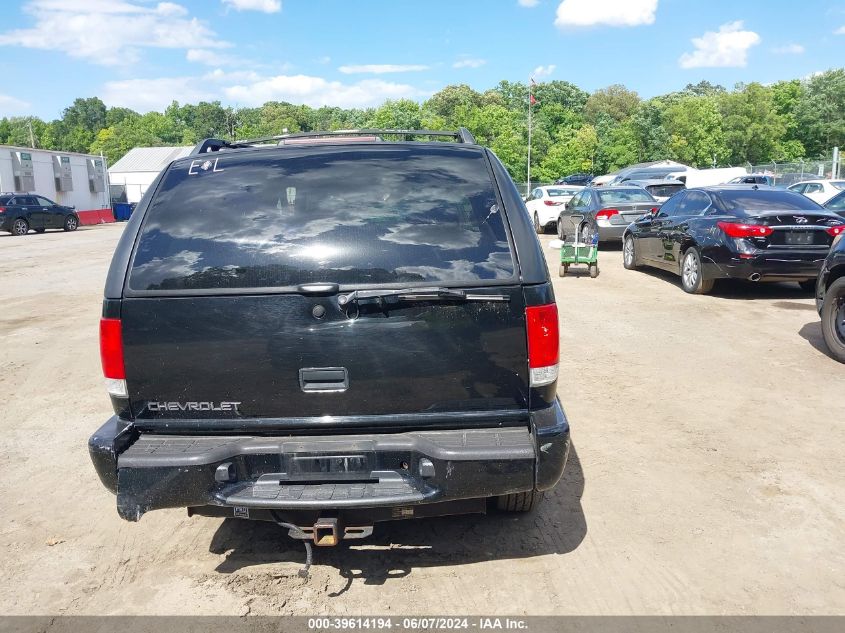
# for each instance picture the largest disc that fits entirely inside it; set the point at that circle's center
(20, 212)
(330, 334)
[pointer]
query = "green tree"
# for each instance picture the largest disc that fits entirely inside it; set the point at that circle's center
(753, 130)
(446, 101)
(694, 125)
(820, 112)
(616, 102)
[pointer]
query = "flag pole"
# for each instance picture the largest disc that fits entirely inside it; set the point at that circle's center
(528, 186)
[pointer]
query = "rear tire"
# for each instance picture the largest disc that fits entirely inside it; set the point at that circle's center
(20, 227)
(692, 280)
(629, 253)
(538, 228)
(808, 285)
(833, 319)
(519, 501)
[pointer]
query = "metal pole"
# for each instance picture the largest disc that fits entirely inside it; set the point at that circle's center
(31, 137)
(835, 167)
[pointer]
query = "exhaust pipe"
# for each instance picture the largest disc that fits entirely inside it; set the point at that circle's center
(754, 277)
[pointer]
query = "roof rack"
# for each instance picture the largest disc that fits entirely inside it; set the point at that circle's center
(462, 135)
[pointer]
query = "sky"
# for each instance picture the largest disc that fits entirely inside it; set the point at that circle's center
(143, 54)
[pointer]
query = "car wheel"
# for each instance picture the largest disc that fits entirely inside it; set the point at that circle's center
(71, 223)
(833, 319)
(629, 253)
(808, 285)
(560, 234)
(539, 230)
(691, 274)
(519, 501)
(20, 227)
(40, 230)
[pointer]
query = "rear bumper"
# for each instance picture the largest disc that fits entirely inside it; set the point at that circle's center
(611, 232)
(780, 266)
(239, 473)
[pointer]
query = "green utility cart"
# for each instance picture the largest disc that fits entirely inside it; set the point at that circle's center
(582, 249)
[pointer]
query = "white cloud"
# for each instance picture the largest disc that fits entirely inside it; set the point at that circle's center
(727, 47)
(207, 57)
(380, 69)
(840, 31)
(265, 6)
(788, 49)
(469, 62)
(109, 32)
(574, 13)
(528, 3)
(325, 59)
(249, 88)
(543, 71)
(10, 106)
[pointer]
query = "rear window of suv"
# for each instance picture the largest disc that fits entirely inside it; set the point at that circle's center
(349, 215)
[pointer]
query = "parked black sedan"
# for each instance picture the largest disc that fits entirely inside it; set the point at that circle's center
(836, 204)
(737, 231)
(20, 212)
(830, 298)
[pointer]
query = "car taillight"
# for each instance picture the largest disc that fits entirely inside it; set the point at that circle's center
(737, 229)
(604, 214)
(111, 355)
(550, 203)
(543, 344)
(2, 209)
(836, 230)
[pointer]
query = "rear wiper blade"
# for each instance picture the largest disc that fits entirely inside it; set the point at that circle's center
(417, 294)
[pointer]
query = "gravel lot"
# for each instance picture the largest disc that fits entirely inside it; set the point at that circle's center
(707, 476)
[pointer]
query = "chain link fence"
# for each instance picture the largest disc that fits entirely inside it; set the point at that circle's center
(786, 174)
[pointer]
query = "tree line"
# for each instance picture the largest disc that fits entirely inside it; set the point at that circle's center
(702, 125)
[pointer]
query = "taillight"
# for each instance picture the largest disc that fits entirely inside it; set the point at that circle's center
(605, 214)
(737, 229)
(2, 209)
(111, 355)
(550, 203)
(543, 344)
(836, 230)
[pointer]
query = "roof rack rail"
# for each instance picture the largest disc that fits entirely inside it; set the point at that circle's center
(462, 135)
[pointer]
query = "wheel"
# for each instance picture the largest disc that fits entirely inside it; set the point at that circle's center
(519, 501)
(808, 285)
(629, 253)
(562, 270)
(560, 234)
(71, 222)
(594, 270)
(40, 230)
(833, 319)
(538, 228)
(691, 274)
(20, 227)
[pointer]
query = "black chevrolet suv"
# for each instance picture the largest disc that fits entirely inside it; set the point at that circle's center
(329, 330)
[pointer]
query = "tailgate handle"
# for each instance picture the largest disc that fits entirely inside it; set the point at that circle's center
(323, 379)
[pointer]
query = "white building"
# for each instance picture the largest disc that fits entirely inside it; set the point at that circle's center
(140, 166)
(75, 180)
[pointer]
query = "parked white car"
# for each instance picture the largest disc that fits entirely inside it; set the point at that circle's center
(544, 204)
(819, 190)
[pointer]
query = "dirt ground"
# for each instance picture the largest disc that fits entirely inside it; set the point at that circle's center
(707, 475)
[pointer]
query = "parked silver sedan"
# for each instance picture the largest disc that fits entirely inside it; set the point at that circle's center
(606, 209)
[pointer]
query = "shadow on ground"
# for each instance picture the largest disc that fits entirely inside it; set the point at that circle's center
(812, 333)
(558, 526)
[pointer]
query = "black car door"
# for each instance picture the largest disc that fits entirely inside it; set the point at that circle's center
(653, 233)
(569, 222)
(52, 213)
(31, 211)
(676, 225)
